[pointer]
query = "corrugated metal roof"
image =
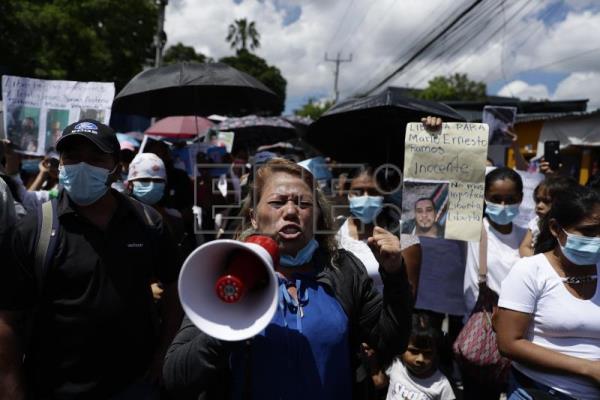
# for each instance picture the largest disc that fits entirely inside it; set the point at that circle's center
(552, 116)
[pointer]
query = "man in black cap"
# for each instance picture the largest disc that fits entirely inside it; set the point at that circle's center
(94, 330)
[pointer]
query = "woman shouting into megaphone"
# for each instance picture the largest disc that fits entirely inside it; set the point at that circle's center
(328, 306)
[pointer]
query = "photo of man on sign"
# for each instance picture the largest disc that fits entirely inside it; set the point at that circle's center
(424, 209)
(23, 127)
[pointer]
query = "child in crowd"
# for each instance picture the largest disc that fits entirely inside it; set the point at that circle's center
(414, 375)
(542, 196)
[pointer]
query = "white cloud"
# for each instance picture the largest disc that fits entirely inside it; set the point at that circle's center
(569, 42)
(524, 90)
(378, 32)
(580, 85)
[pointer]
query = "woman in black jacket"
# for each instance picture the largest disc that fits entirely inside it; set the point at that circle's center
(328, 306)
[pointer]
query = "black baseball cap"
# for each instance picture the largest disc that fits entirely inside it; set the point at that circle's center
(99, 134)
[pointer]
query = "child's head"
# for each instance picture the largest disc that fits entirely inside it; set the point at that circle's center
(421, 355)
(548, 189)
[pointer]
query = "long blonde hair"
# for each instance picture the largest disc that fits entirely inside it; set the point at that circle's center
(325, 234)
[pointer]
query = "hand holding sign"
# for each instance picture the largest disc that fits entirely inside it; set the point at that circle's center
(432, 124)
(386, 249)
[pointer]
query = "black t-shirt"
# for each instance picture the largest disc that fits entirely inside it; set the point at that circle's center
(96, 326)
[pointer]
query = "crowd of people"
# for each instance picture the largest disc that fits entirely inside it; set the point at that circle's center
(92, 246)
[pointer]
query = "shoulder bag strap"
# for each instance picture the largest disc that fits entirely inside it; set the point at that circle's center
(483, 242)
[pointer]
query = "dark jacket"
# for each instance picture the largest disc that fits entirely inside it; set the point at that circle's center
(196, 365)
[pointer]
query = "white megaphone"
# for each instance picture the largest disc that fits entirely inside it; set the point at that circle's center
(229, 289)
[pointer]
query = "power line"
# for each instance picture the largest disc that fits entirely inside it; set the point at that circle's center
(484, 41)
(428, 45)
(340, 24)
(469, 28)
(432, 30)
(358, 26)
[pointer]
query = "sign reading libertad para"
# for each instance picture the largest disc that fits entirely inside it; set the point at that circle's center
(444, 176)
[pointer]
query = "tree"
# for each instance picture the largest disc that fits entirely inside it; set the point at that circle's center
(453, 87)
(181, 52)
(85, 40)
(258, 68)
(314, 109)
(240, 32)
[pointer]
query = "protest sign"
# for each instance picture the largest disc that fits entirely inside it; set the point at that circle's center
(500, 120)
(444, 173)
(224, 139)
(36, 110)
(527, 207)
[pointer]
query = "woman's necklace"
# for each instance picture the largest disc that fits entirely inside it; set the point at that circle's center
(571, 280)
(574, 280)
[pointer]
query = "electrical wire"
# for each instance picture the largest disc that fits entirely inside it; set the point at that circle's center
(425, 47)
(340, 24)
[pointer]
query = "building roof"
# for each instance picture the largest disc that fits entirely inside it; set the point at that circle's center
(527, 110)
(551, 116)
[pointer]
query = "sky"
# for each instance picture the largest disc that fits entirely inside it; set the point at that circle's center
(527, 49)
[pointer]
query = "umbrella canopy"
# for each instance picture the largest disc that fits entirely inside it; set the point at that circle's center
(180, 127)
(298, 120)
(195, 89)
(254, 121)
(371, 129)
(252, 131)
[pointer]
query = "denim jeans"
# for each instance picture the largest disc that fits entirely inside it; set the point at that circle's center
(517, 392)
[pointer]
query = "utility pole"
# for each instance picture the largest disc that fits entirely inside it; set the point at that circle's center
(160, 38)
(337, 62)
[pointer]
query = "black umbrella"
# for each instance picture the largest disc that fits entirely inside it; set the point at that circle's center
(195, 89)
(253, 131)
(371, 129)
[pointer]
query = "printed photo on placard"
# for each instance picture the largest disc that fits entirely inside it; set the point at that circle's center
(23, 126)
(56, 121)
(424, 208)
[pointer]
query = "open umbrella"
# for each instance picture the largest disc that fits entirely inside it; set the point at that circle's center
(195, 89)
(371, 129)
(252, 131)
(180, 127)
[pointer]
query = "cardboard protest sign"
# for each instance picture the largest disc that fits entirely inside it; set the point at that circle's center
(444, 176)
(36, 110)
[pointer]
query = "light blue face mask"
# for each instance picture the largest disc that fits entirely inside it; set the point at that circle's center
(303, 256)
(502, 215)
(366, 208)
(148, 192)
(84, 183)
(581, 250)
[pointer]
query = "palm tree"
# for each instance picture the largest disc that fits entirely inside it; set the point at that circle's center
(240, 32)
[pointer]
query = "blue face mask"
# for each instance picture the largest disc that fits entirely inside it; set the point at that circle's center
(303, 256)
(84, 183)
(581, 250)
(366, 208)
(502, 215)
(148, 192)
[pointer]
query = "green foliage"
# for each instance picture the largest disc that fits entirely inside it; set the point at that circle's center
(181, 52)
(313, 109)
(240, 32)
(258, 68)
(453, 87)
(85, 40)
